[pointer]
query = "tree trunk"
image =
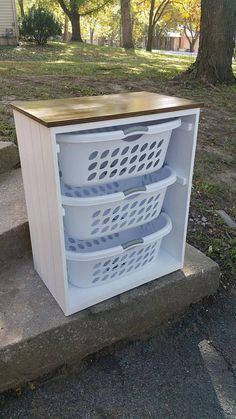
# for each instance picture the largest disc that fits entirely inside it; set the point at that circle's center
(65, 33)
(192, 43)
(214, 60)
(91, 33)
(126, 25)
(150, 27)
(75, 23)
(21, 5)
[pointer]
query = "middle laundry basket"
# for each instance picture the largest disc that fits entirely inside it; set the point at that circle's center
(106, 209)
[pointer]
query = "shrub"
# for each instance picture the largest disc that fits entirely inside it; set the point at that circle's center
(40, 24)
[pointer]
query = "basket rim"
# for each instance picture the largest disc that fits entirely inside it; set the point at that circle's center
(169, 179)
(118, 249)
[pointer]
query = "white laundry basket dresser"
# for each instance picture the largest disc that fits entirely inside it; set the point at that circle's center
(107, 183)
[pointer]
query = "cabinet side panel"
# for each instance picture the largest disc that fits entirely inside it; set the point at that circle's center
(180, 156)
(36, 153)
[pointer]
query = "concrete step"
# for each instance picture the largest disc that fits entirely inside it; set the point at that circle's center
(9, 156)
(36, 338)
(14, 232)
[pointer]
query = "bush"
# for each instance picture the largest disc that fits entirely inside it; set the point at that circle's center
(40, 24)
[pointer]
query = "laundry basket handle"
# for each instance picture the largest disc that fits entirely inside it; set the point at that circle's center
(135, 130)
(133, 191)
(132, 243)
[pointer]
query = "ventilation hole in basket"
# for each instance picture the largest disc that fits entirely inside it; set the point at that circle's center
(104, 164)
(89, 244)
(102, 175)
(141, 210)
(92, 166)
(122, 171)
(113, 173)
(69, 194)
(114, 227)
(105, 229)
(97, 264)
(106, 263)
(139, 219)
(132, 169)
(86, 192)
(156, 162)
(140, 251)
(142, 157)
(130, 268)
(94, 231)
(151, 155)
(104, 154)
(135, 148)
(158, 153)
(125, 207)
(106, 220)
(92, 176)
(93, 155)
(157, 197)
(106, 211)
(123, 161)
(124, 216)
(144, 147)
(73, 248)
(123, 224)
(95, 280)
(134, 204)
(115, 210)
(138, 265)
(115, 261)
(154, 214)
(103, 239)
(95, 214)
(143, 202)
(122, 271)
(96, 272)
(150, 199)
(71, 240)
(141, 167)
(78, 193)
(115, 218)
(152, 145)
(160, 143)
(96, 222)
(115, 152)
(125, 150)
(114, 163)
(132, 213)
(132, 160)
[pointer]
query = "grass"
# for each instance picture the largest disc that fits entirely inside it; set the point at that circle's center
(58, 70)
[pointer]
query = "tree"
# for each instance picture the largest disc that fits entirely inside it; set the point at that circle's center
(21, 6)
(74, 9)
(216, 45)
(40, 24)
(126, 25)
(189, 14)
(157, 9)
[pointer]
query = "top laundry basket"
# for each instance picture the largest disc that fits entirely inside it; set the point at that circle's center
(107, 155)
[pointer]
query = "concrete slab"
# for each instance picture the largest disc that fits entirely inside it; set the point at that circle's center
(9, 156)
(14, 232)
(35, 336)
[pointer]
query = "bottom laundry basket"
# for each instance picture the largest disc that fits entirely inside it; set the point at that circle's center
(102, 260)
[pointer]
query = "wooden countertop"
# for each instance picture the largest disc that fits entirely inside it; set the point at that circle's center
(77, 110)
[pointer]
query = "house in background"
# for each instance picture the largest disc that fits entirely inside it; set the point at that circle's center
(173, 41)
(8, 23)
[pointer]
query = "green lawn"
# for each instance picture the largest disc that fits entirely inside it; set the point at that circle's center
(62, 70)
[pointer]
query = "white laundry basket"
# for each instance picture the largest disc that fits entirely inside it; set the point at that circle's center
(112, 154)
(102, 260)
(105, 209)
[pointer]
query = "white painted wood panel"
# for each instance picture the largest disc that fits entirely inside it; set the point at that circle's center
(38, 152)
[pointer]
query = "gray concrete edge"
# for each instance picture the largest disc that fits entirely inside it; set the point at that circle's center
(134, 314)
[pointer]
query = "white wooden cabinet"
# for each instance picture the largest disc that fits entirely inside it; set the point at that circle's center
(49, 136)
